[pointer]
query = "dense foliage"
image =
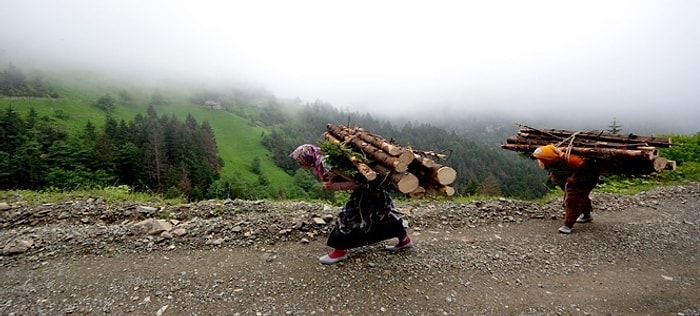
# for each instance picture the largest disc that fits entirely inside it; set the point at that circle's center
(151, 153)
(685, 149)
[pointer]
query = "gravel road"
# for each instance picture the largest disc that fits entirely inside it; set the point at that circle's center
(639, 256)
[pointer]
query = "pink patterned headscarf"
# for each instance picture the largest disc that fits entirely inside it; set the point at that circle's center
(308, 156)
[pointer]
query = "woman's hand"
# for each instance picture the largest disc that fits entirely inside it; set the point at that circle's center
(340, 186)
(328, 185)
(338, 181)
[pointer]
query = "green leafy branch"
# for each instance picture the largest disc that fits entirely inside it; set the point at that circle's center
(340, 156)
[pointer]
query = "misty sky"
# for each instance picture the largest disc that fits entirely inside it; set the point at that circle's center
(633, 60)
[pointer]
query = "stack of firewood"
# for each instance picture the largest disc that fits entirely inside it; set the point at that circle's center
(411, 172)
(617, 153)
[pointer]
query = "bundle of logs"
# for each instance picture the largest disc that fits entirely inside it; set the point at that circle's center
(618, 154)
(412, 172)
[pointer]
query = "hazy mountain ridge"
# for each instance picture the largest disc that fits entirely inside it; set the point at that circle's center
(472, 140)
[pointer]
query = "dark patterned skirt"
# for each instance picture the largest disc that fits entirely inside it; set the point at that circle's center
(368, 217)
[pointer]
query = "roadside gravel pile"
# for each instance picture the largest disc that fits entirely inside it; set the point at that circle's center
(640, 255)
(88, 225)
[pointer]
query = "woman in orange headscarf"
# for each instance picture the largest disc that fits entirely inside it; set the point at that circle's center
(576, 176)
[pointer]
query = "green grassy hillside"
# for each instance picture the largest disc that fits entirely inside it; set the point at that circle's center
(238, 140)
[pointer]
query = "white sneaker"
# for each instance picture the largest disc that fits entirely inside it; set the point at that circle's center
(565, 230)
(584, 219)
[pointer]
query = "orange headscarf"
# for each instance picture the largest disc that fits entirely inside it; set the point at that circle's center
(546, 154)
(550, 153)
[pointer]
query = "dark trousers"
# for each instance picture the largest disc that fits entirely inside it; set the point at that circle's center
(577, 200)
(368, 217)
(390, 227)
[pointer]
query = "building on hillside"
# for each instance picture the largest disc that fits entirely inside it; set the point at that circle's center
(213, 105)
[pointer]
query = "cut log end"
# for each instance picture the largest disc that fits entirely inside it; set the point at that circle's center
(405, 182)
(418, 193)
(447, 190)
(441, 190)
(660, 164)
(670, 165)
(446, 175)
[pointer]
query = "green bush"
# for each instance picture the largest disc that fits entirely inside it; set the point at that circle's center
(173, 193)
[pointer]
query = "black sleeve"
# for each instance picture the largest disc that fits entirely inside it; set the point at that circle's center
(587, 172)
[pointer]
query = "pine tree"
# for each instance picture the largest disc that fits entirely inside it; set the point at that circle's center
(155, 158)
(614, 126)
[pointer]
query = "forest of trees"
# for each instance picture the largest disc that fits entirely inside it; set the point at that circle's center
(480, 170)
(164, 155)
(14, 83)
(151, 153)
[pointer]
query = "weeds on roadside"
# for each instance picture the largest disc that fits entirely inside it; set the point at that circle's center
(122, 193)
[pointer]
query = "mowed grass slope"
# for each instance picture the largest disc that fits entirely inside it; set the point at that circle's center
(238, 141)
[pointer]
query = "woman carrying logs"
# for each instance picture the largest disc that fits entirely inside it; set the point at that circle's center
(369, 216)
(576, 176)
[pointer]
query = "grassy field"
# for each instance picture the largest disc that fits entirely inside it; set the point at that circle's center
(237, 139)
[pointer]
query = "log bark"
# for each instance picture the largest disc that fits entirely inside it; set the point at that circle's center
(369, 149)
(432, 153)
(418, 193)
(401, 168)
(404, 155)
(436, 190)
(404, 182)
(593, 152)
(620, 154)
(438, 173)
(559, 135)
(425, 162)
(580, 142)
(612, 152)
(633, 167)
(378, 142)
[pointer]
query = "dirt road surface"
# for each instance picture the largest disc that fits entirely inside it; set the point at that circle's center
(639, 256)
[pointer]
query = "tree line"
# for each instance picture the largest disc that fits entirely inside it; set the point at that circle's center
(480, 169)
(137, 160)
(163, 155)
(14, 83)
(151, 153)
